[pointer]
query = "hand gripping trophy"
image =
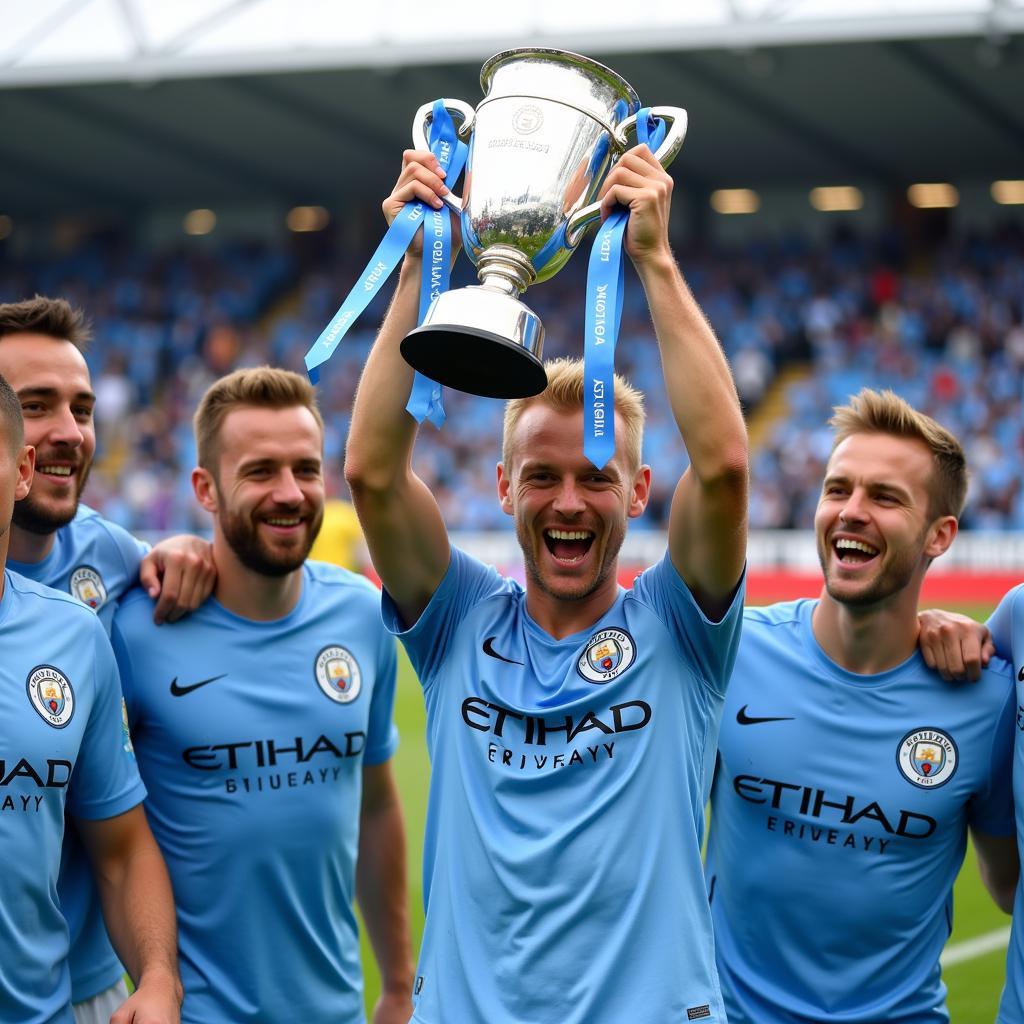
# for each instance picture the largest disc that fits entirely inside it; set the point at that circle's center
(543, 139)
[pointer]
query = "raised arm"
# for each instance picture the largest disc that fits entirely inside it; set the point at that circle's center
(707, 534)
(404, 531)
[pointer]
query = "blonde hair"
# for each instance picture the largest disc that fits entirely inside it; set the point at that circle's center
(564, 393)
(884, 412)
(265, 387)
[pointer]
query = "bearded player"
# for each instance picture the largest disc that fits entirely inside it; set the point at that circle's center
(61, 543)
(262, 724)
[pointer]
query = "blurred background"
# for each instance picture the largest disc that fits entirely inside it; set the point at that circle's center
(204, 178)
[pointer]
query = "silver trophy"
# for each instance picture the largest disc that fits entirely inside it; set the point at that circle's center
(549, 129)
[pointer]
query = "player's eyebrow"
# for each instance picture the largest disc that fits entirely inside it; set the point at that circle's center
(874, 486)
(51, 393)
(267, 460)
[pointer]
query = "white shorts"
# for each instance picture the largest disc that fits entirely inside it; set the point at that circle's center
(100, 1008)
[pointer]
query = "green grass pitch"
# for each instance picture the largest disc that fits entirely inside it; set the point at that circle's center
(974, 985)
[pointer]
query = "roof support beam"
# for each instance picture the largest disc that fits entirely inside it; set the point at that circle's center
(959, 87)
(803, 131)
(65, 180)
(141, 131)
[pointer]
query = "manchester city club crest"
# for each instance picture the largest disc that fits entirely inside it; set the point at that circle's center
(927, 757)
(608, 654)
(337, 674)
(50, 693)
(87, 585)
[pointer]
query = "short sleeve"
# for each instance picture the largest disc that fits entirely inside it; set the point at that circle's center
(123, 657)
(105, 781)
(130, 548)
(1001, 624)
(992, 810)
(466, 583)
(381, 733)
(709, 646)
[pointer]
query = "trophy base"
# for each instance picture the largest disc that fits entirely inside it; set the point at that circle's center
(475, 361)
(482, 341)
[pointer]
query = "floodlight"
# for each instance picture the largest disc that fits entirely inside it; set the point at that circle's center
(200, 222)
(933, 196)
(836, 198)
(735, 200)
(307, 218)
(1008, 193)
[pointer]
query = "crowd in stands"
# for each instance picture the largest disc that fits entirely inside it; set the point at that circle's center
(943, 326)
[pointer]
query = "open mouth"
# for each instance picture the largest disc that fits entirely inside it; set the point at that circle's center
(60, 472)
(568, 546)
(853, 552)
(283, 524)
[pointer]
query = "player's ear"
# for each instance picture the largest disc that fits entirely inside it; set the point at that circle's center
(25, 464)
(504, 487)
(641, 492)
(205, 488)
(940, 535)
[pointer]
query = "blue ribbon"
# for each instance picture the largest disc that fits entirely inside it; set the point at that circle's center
(425, 399)
(604, 315)
(451, 155)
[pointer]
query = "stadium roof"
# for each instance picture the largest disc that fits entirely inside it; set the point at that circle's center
(47, 41)
(128, 103)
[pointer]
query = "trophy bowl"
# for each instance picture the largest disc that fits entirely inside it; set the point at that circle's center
(549, 129)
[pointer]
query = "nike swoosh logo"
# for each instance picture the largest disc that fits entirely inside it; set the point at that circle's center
(180, 691)
(489, 650)
(744, 719)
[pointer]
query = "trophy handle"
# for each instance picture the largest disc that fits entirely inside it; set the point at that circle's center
(677, 120)
(462, 113)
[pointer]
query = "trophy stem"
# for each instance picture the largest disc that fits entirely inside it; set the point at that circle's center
(505, 269)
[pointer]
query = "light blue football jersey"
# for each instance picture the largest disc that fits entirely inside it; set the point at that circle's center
(562, 864)
(1007, 625)
(253, 736)
(839, 820)
(63, 744)
(95, 561)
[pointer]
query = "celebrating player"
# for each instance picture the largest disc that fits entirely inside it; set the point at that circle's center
(571, 726)
(263, 728)
(849, 772)
(61, 543)
(63, 745)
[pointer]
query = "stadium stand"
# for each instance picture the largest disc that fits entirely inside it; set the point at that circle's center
(804, 325)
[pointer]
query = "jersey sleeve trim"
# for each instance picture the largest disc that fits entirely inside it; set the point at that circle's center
(382, 752)
(727, 621)
(110, 807)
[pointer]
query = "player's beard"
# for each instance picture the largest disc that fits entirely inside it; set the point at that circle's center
(584, 587)
(36, 516)
(241, 532)
(890, 579)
